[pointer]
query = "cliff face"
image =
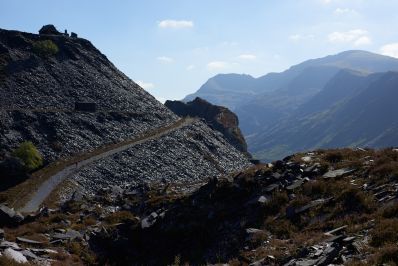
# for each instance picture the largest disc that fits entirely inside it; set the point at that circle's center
(218, 117)
(43, 76)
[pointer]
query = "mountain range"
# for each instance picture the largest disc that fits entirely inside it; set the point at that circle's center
(335, 101)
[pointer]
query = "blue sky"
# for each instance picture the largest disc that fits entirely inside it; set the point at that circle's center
(172, 47)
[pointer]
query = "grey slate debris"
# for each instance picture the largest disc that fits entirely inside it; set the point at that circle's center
(338, 173)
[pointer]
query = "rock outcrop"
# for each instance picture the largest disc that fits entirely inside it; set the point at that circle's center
(218, 117)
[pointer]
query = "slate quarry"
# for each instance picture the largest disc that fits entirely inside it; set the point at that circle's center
(39, 89)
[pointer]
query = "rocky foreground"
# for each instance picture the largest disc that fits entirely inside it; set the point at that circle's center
(326, 207)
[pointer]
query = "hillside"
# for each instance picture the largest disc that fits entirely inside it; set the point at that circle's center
(44, 76)
(352, 110)
(279, 98)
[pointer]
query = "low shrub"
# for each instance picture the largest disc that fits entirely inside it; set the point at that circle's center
(385, 169)
(29, 155)
(355, 200)
(334, 157)
(45, 48)
(278, 200)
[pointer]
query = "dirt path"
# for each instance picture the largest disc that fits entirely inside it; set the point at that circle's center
(52, 182)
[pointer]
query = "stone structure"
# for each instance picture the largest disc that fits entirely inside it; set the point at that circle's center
(49, 30)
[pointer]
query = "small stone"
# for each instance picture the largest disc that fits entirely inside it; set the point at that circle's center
(15, 255)
(7, 244)
(253, 231)
(263, 199)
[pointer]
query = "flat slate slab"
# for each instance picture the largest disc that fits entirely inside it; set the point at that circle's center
(295, 185)
(29, 241)
(338, 173)
(331, 232)
(272, 187)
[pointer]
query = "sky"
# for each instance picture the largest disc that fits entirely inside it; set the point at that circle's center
(172, 47)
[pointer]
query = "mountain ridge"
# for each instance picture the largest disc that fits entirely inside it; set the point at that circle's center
(284, 95)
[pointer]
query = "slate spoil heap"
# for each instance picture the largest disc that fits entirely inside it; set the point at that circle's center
(65, 96)
(325, 207)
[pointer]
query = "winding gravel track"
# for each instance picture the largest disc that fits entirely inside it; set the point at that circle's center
(50, 184)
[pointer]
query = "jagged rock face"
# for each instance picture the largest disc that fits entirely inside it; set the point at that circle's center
(38, 92)
(220, 118)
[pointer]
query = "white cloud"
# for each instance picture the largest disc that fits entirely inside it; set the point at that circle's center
(145, 85)
(229, 44)
(357, 37)
(276, 56)
(390, 49)
(300, 37)
(345, 11)
(217, 65)
(364, 40)
(221, 65)
(175, 24)
(247, 57)
(190, 67)
(165, 59)
(326, 2)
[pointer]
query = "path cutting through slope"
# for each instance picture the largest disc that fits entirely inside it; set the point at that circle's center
(53, 181)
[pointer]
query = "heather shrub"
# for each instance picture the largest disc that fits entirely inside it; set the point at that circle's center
(45, 48)
(29, 155)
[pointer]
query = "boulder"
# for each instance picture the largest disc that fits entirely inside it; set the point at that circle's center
(149, 220)
(9, 217)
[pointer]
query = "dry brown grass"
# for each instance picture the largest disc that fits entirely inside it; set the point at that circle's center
(120, 217)
(386, 255)
(4, 261)
(385, 232)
